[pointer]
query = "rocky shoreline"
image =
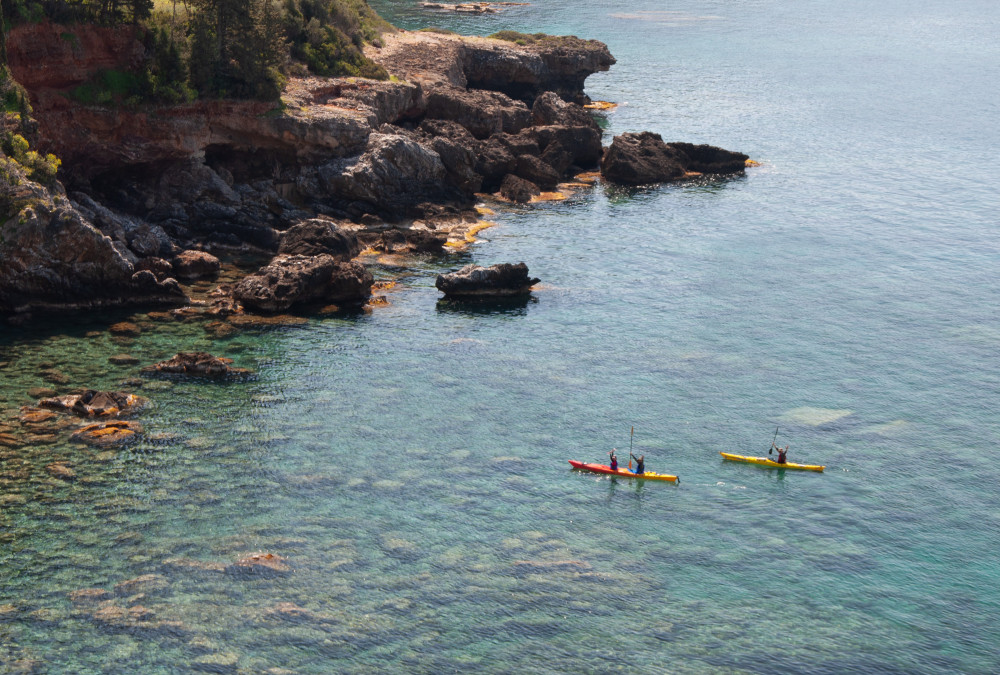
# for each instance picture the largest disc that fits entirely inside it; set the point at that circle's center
(342, 166)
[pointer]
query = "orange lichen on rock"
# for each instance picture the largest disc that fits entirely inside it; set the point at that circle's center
(588, 177)
(105, 434)
(751, 162)
(600, 105)
(548, 197)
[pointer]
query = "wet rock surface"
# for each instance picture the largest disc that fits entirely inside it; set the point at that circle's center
(199, 364)
(108, 434)
(495, 280)
(295, 280)
(643, 158)
(92, 403)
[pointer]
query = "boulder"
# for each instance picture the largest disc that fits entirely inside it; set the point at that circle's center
(161, 269)
(397, 240)
(199, 364)
(296, 279)
(538, 172)
(93, 403)
(107, 434)
(473, 280)
(518, 189)
(394, 174)
(196, 265)
(550, 110)
(494, 161)
(317, 236)
(642, 158)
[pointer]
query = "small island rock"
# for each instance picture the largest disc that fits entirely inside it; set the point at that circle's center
(473, 280)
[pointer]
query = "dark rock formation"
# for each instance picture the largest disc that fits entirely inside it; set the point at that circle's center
(518, 189)
(643, 158)
(710, 159)
(473, 280)
(483, 113)
(93, 403)
(317, 236)
(295, 279)
(52, 257)
(397, 240)
(196, 265)
(199, 364)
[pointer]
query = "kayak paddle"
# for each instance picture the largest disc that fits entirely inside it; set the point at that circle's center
(773, 440)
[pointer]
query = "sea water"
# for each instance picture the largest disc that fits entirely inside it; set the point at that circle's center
(410, 464)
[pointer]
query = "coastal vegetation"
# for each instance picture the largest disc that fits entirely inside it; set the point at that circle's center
(241, 49)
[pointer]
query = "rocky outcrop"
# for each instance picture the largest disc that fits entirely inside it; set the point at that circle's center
(197, 364)
(196, 265)
(52, 257)
(483, 113)
(643, 158)
(518, 189)
(92, 403)
(296, 279)
(396, 172)
(521, 71)
(317, 236)
(496, 280)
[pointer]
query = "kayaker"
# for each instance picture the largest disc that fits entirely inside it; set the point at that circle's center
(639, 463)
(614, 459)
(781, 454)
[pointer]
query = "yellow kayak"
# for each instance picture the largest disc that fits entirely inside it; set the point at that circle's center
(770, 463)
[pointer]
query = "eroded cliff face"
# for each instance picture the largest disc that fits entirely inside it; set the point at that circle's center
(146, 182)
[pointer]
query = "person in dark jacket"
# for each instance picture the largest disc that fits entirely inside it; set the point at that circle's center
(640, 467)
(614, 460)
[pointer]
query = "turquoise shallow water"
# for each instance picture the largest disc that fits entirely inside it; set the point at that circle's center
(410, 464)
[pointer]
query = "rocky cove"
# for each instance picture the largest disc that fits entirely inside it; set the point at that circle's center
(152, 195)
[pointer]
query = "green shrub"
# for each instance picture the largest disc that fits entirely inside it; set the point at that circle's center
(38, 167)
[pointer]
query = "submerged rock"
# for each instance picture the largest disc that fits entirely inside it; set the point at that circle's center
(473, 280)
(198, 364)
(93, 403)
(262, 564)
(106, 434)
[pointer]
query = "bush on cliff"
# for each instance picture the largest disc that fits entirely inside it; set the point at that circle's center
(328, 36)
(37, 167)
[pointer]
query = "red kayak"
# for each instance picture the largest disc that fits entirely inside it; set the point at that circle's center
(624, 473)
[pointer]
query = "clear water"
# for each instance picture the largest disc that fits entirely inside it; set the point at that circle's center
(408, 461)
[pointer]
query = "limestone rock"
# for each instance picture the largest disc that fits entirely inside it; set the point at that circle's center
(473, 280)
(108, 434)
(518, 189)
(200, 364)
(317, 236)
(295, 279)
(93, 403)
(196, 265)
(643, 158)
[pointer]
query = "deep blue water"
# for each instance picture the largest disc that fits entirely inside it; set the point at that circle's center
(410, 463)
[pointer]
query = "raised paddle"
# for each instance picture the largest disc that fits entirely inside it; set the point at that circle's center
(630, 448)
(773, 440)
